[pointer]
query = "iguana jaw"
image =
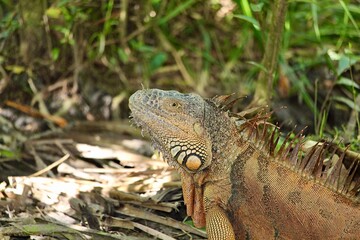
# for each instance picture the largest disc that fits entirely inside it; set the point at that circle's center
(157, 140)
(142, 121)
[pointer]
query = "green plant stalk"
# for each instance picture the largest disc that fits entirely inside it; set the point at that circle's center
(346, 9)
(182, 7)
(314, 11)
(264, 85)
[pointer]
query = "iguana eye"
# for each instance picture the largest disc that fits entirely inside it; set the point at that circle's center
(171, 105)
(175, 104)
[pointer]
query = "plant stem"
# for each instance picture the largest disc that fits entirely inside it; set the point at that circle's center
(264, 84)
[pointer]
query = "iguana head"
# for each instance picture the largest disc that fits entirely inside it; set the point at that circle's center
(177, 124)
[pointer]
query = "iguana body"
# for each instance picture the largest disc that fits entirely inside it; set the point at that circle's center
(234, 180)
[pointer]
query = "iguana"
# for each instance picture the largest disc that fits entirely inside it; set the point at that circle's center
(238, 183)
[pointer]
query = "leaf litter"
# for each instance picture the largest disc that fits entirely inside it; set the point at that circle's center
(88, 182)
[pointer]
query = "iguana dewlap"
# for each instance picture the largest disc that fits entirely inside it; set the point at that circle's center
(237, 184)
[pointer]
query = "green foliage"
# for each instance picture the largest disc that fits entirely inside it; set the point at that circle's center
(187, 45)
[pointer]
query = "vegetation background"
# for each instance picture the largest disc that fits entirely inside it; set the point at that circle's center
(66, 60)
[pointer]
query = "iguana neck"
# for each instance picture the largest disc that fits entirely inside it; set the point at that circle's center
(224, 135)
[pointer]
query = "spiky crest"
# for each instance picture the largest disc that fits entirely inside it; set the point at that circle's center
(325, 162)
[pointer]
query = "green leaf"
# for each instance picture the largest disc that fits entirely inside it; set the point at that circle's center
(251, 20)
(141, 47)
(345, 63)
(122, 55)
(333, 55)
(346, 9)
(15, 69)
(244, 5)
(182, 7)
(102, 42)
(6, 153)
(157, 61)
(53, 12)
(258, 65)
(55, 52)
(347, 82)
(348, 102)
(256, 7)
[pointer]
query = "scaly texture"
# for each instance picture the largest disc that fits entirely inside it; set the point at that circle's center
(237, 183)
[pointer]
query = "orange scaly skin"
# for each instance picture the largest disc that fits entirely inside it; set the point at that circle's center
(234, 181)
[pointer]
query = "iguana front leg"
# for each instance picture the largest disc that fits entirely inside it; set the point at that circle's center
(218, 225)
(203, 200)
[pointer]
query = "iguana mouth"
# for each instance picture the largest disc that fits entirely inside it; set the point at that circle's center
(140, 116)
(136, 118)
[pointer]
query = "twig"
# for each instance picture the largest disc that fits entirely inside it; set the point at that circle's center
(123, 21)
(152, 232)
(135, 199)
(37, 114)
(39, 162)
(5, 79)
(51, 166)
(167, 46)
(138, 213)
